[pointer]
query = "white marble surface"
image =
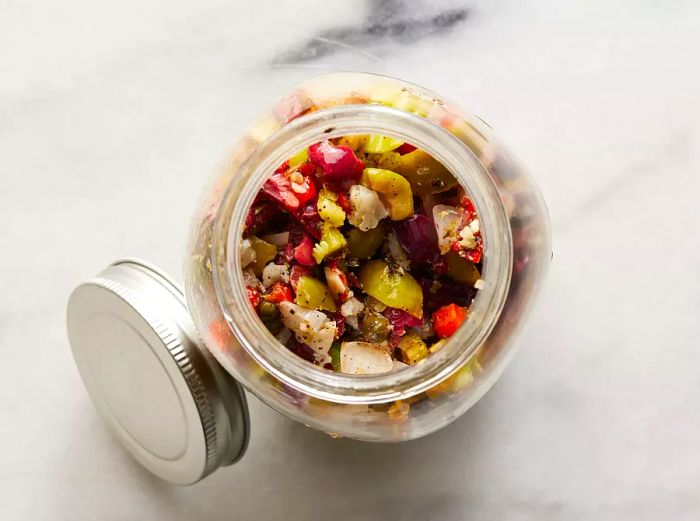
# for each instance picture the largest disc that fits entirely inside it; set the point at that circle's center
(113, 114)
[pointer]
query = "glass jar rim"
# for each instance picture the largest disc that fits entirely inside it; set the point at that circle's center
(333, 122)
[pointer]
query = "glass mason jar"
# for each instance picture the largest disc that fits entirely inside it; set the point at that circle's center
(421, 398)
(164, 368)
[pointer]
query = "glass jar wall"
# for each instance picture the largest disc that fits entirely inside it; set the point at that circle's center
(421, 398)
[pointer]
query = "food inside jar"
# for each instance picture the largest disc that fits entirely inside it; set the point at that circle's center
(362, 254)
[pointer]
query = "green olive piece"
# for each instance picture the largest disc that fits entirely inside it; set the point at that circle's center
(264, 253)
(393, 189)
(314, 294)
(362, 245)
(425, 173)
(395, 288)
(375, 328)
(460, 269)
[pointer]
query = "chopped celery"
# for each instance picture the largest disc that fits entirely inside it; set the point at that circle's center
(331, 241)
(329, 210)
(412, 348)
(300, 157)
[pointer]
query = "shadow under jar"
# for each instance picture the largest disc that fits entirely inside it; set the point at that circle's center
(166, 369)
(421, 398)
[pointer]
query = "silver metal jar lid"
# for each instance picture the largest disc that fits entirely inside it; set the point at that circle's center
(160, 391)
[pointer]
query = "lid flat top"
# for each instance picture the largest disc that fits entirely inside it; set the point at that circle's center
(149, 377)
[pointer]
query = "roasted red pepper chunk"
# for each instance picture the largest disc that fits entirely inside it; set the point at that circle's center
(280, 292)
(303, 251)
(468, 207)
(344, 203)
(447, 319)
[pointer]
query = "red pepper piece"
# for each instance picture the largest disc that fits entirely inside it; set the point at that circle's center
(447, 319)
(474, 254)
(307, 169)
(280, 292)
(344, 203)
(340, 167)
(469, 208)
(303, 252)
(304, 191)
(404, 149)
(253, 296)
(300, 246)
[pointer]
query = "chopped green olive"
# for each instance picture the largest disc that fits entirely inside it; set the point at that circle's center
(314, 294)
(362, 245)
(460, 269)
(425, 174)
(393, 189)
(264, 253)
(270, 316)
(268, 310)
(395, 288)
(375, 328)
